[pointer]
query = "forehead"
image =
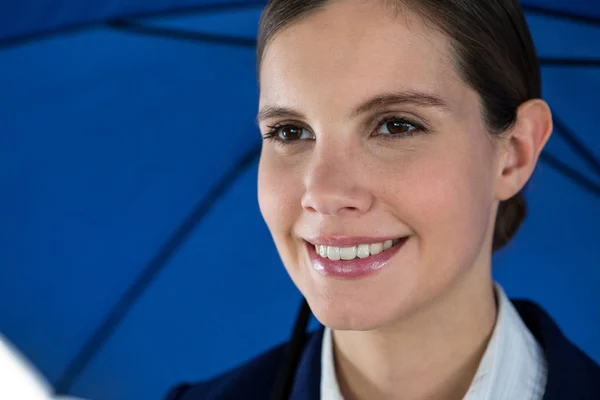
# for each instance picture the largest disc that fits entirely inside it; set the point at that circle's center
(356, 48)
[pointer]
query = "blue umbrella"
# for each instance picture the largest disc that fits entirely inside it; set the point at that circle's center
(131, 245)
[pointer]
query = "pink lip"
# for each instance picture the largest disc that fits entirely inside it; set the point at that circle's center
(354, 269)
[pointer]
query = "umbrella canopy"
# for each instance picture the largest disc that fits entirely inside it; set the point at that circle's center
(132, 251)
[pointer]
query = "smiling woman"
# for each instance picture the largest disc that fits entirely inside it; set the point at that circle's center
(398, 136)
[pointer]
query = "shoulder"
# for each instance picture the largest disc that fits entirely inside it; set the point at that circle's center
(253, 380)
(571, 372)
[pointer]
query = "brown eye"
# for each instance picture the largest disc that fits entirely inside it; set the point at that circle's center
(396, 127)
(291, 132)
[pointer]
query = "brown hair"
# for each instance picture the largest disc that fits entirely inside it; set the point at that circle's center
(494, 55)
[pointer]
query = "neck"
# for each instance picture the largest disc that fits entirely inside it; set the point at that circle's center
(432, 354)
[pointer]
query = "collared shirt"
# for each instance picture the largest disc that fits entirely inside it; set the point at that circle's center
(19, 379)
(513, 365)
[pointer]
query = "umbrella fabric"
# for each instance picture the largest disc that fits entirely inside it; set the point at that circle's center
(132, 251)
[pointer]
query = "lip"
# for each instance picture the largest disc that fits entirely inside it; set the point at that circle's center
(354, 269)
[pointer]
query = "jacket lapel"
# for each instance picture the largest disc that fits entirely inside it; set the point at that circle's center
(307, 383)
(571, 373)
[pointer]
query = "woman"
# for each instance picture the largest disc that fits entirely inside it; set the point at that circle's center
(398, 136)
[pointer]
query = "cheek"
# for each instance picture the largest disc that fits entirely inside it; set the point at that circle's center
(446, 197)
(456, 205)
(279, 195)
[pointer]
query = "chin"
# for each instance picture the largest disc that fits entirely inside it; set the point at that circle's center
(349, 322)
(345, 316)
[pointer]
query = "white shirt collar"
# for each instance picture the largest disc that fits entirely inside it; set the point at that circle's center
(513, 365)
(19, 379)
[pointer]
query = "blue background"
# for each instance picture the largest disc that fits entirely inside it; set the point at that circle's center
(132, 252)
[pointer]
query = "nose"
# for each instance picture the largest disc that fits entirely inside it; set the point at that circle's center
(333, 186)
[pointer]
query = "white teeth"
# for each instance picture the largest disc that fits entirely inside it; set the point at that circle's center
(350, 253)
(376, 248)
(362, 251)
(333, 253)
(322, 251)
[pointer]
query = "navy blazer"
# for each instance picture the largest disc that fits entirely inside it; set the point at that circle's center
(572, 375)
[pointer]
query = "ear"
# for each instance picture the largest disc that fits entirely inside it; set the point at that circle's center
(522, 147)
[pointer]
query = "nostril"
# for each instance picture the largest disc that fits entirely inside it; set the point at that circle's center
(337, 199)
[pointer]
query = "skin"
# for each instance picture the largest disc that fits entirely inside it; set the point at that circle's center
(418, 328)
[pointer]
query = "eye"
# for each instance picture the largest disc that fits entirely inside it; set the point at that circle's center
(395, 126)
(288, 133)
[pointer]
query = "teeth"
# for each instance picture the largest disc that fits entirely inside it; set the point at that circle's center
(322, 251)
(363, 251)
(333, 253)
(376, 248)
(350, 253)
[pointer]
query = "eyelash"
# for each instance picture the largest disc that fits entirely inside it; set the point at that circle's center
(273, 133)
(274, 129)
(418, 128)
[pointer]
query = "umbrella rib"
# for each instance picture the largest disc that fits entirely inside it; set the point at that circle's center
(565, 15)
(569, 172)
(570, 62)
(119, 311)
(181, 34)
(23, 39)
(576, 144)
(199, 9)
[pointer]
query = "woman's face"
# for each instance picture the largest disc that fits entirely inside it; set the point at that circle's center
(375, 138)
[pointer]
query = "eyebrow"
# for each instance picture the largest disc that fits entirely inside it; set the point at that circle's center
(268, 112)
(409, 97)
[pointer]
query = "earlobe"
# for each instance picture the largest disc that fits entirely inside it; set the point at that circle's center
(524, 145)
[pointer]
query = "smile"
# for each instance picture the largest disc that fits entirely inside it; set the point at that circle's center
(353, 262)
(350, 253)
